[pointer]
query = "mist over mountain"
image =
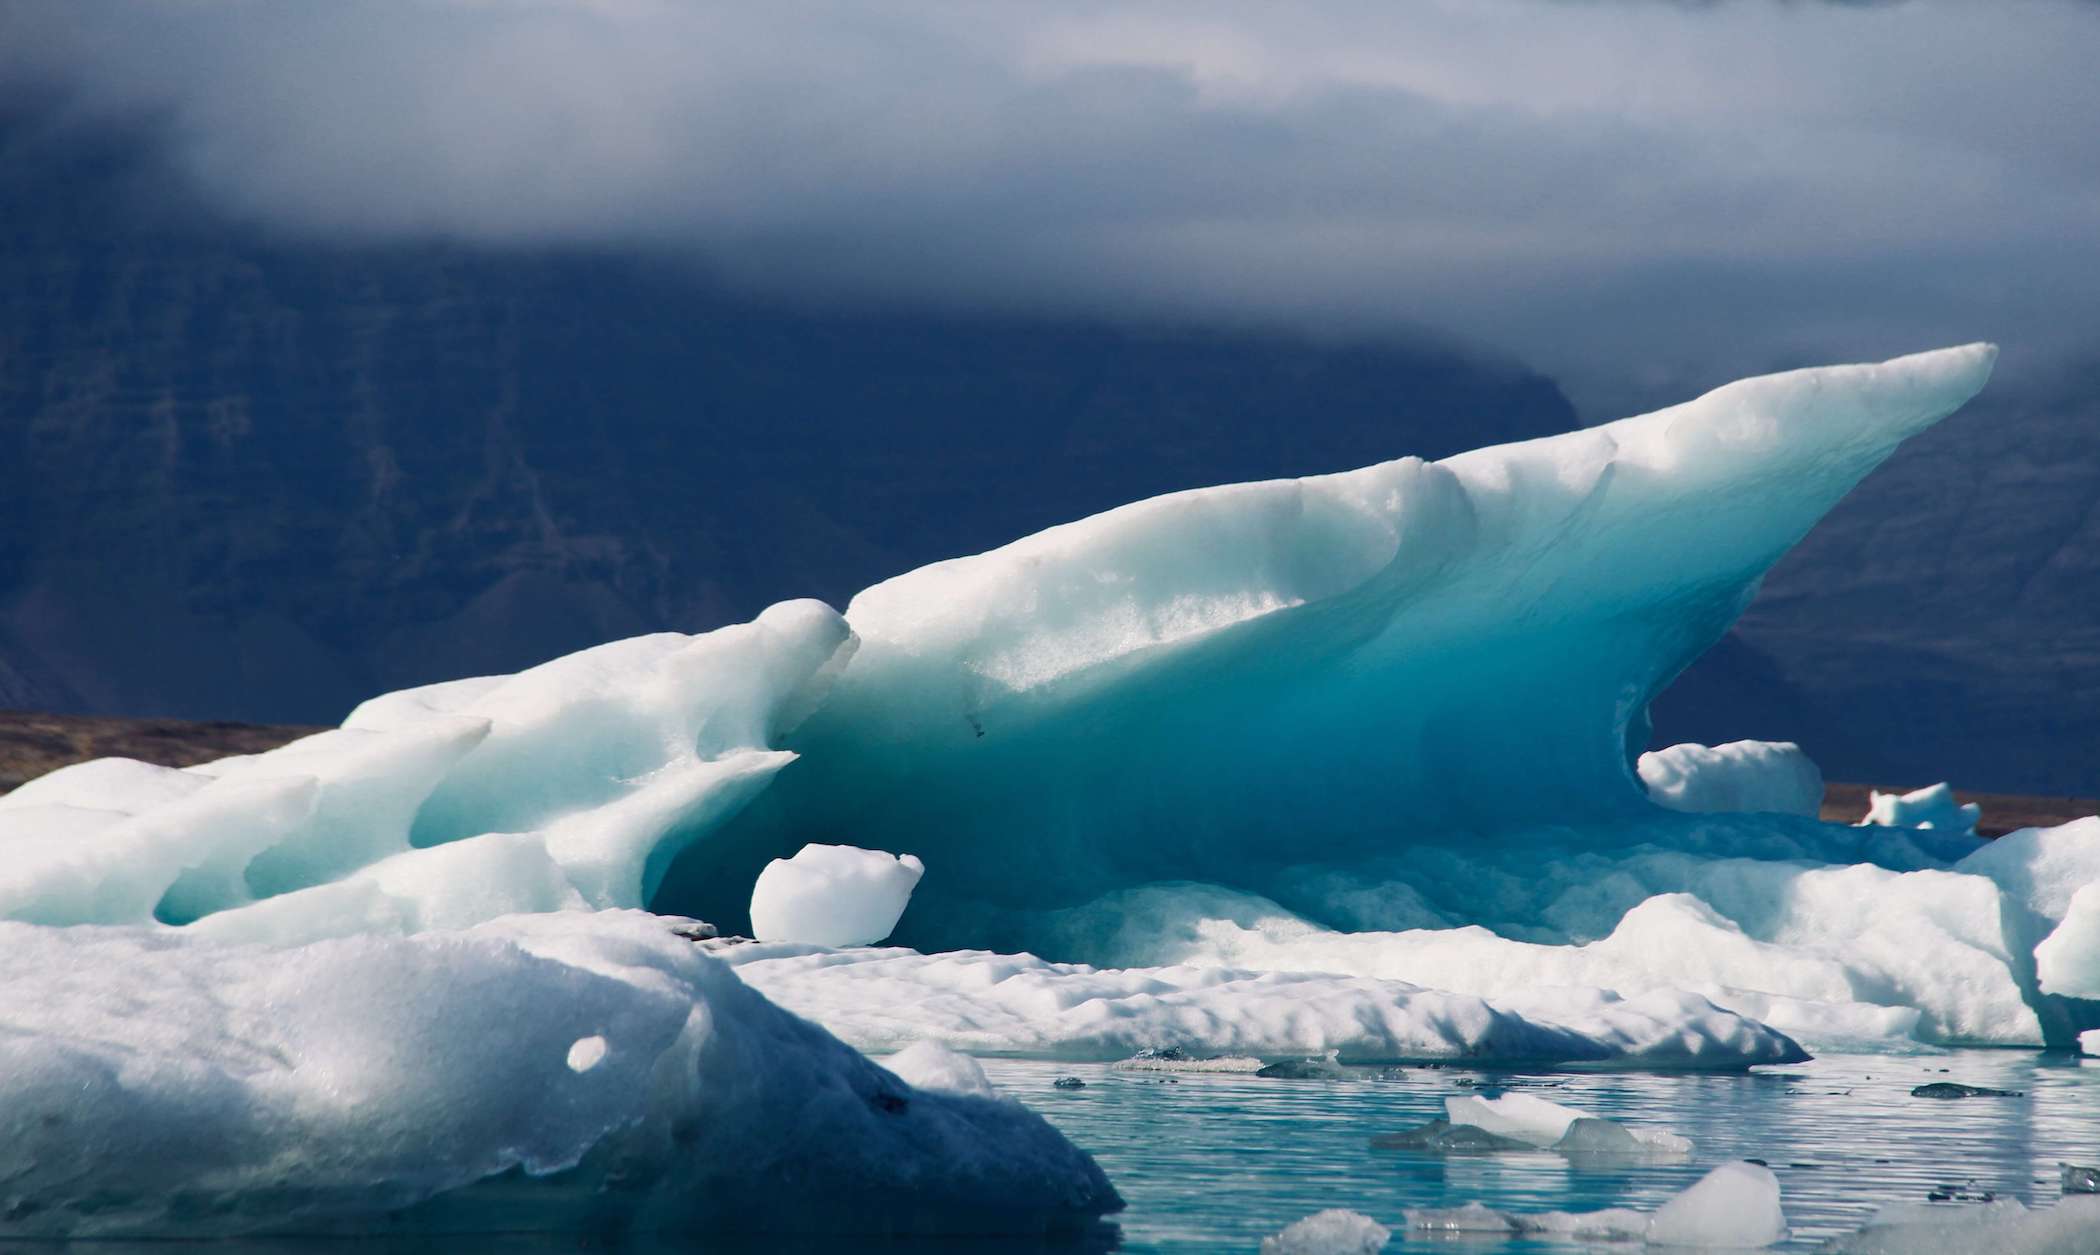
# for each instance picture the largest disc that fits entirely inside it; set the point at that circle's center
(264, 480)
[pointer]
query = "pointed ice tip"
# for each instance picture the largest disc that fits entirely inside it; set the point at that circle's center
(1962, 370)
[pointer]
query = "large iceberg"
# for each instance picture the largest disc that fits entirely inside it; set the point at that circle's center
(1342, 763)
(558, 1071)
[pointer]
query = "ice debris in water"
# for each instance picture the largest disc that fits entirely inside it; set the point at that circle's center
(928, 1065)
(1327, 1067)
(2001, 1227)
(511, 1074)
(1176, 1059)
(1736, 1205)
(833, 895)
(1522, 1121)
(1333, 1232)
(1772, 776)
(1930, 807)
(1955, 1089)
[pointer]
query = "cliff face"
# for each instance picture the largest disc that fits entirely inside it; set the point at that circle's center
(246, 478)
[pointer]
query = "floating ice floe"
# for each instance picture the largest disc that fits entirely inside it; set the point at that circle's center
(1334, 1232)
(2001, 1227)
(1734, 1206)
(1525, 1122)
(833, 895)
(1930, 807)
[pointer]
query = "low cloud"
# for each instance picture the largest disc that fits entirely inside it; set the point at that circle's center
(1640, 197)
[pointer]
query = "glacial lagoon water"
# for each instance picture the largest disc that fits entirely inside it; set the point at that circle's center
(1215, 1162)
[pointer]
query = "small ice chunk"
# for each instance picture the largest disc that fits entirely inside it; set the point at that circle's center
(931, 1066)
(1549, 1125)
(1175, 1059)
(1955, 1089)
(1471, 1218)
(1519, 1116)
(1738, 776)
(1930, 807)
(1333, 1232)
(1735, 1205)
(586, 1053)
(1327, 1067)
(2089, 1041)
(1618, 1224)
(833, 895)
(1592, 1136)
(1444, 1137)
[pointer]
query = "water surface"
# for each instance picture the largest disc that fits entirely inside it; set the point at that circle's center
(1213, 1162)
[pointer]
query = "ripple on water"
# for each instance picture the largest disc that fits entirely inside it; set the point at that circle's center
(1216, 1162)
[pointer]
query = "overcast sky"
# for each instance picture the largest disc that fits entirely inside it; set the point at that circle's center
(1637, 196)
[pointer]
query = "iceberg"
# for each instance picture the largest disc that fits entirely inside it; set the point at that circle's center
(520, 1075)
(1349, 763)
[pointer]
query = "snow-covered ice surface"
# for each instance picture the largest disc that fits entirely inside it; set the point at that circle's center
(1345, 763)
(513, 1076)
(833, 895)
(880, 999)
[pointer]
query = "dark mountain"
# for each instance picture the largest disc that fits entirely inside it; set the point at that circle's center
(255, 478)
(1944, 621)
(261, 480)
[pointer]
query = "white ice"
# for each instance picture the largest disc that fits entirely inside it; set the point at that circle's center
(930, 1066)
(833, 895)
(156, 1083)
(1740, 776)
(1930, 807)
(1529, 1118)
(882, 999)
(1341, 763)
(2004, 1227)
(1333, 1232)
(1734, 1206)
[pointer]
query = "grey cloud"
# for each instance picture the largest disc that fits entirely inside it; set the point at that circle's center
(1639, 196)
